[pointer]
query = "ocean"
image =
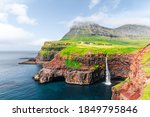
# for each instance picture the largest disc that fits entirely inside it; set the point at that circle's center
(16, 83)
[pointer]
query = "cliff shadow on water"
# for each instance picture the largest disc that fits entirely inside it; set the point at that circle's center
(58, 79)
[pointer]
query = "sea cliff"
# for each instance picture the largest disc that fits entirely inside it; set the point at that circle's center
(90, 68)
(79, 58)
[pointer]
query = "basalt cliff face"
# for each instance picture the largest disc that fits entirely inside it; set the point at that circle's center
(133, 88)
(57, 69)
(92, 69)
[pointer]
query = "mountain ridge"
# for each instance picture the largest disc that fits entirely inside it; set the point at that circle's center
(83, 29)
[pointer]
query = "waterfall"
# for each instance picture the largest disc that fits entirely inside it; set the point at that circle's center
(108, 77)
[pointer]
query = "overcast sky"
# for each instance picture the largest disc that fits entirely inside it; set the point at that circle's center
(26, 24)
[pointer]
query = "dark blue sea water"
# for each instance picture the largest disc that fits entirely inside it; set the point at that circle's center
(16, 83)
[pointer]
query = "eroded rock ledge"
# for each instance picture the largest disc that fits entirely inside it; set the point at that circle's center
(57, 68)
(92, 68)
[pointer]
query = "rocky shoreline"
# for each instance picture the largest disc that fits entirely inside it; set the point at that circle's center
(30, 61)
(33, 61)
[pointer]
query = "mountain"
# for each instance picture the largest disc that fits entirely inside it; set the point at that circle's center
(81, 29)
(88, 29)
(133, 31)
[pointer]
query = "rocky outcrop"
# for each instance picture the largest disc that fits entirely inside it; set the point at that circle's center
(29, 61)
(70, 76)
(57, 69)
(92, 68)
(132, 89)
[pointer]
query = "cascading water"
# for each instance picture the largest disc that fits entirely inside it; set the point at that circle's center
(108, 77)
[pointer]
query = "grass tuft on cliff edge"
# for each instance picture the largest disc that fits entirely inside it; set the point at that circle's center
(72, 64)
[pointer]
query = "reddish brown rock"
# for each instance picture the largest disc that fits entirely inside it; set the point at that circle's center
(133, 89)
(118, 65)
(57, 68)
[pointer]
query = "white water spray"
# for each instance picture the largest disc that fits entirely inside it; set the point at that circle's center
(108, 77)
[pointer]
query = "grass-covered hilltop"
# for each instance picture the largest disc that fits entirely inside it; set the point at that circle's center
(79, 57)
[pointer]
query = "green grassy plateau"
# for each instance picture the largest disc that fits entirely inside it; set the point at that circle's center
(98, 44)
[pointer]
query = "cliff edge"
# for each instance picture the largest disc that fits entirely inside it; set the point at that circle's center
(133, 88)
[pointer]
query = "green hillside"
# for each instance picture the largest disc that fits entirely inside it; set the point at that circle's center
(106, 45)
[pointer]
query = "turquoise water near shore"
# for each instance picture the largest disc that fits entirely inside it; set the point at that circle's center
(16, 83)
